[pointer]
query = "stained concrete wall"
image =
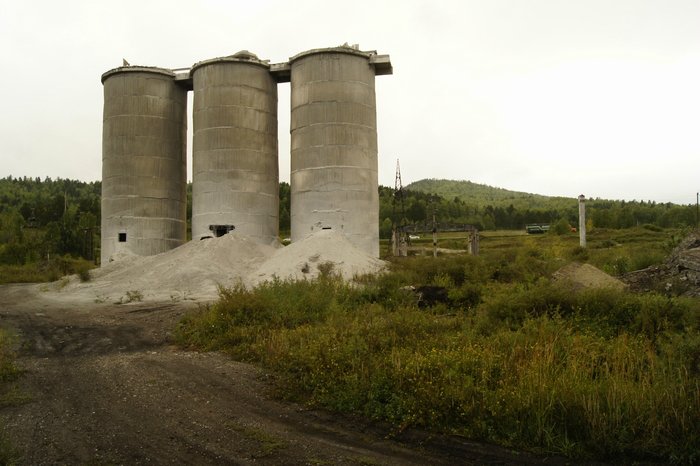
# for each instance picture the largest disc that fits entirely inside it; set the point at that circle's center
(143, 162)
(334, 146)
(235, 177)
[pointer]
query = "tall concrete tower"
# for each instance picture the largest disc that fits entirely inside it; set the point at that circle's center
(334, 144)
(235, 166)
(143, 162)
(582, 220)
(235, 176)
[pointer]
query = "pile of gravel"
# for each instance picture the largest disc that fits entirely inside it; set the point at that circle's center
(582, 276)
(196, 270)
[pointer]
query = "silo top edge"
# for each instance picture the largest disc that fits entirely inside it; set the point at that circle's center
(212, 61)
(137, 69)
(341, 49)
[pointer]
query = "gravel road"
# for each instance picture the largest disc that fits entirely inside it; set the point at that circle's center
(107, 387)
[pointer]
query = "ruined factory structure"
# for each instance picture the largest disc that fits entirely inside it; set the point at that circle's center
(235, 176)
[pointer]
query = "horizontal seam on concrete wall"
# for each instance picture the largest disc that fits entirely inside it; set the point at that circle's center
(141, 115)
(247, 107)
(330, 124)
(171, 219)
(354, 167)
(306, 82)
(209, 128)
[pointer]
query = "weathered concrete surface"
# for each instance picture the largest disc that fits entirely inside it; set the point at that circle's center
(235, 168)
(143, 162)
(334, 146)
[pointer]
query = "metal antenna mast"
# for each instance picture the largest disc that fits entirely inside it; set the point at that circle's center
(399, 235)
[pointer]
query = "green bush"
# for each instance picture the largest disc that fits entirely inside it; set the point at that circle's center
(561, 227)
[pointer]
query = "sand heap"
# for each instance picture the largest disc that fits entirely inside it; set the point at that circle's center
(678, 275)
(583, 276)
(301, 260)
(195, 270)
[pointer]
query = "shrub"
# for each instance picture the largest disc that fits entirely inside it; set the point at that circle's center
(561, 227)
(84, 274)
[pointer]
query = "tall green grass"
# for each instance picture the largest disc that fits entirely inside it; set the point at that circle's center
(46, 271)
(10, 395)
(596, 375)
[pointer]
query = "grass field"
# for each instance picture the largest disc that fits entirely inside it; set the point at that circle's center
(45, 270)
(508, 356)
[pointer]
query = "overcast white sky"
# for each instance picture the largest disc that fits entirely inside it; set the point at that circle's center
(556, 97)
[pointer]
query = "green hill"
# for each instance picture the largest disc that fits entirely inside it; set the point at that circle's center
(482, 195)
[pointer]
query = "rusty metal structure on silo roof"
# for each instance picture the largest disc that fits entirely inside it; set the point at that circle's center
(235, 177)
(144, 176)
(334, 178)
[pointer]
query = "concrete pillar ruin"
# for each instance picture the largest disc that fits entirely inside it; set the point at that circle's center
(582, 220)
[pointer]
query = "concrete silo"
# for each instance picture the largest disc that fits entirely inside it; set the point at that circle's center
(235, 178)
(143, 162)
(334, 144)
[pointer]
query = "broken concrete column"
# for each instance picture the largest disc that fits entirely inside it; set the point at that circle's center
(582, 220)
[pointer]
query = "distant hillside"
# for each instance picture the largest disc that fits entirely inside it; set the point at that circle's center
(483, 195)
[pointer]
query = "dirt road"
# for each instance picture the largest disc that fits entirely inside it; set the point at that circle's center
(107, 387)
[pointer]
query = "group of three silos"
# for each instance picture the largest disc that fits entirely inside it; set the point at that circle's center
(235, 174)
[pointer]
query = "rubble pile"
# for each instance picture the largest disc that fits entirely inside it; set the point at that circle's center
(679, 275)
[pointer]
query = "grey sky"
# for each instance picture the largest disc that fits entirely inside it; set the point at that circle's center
(556, 97)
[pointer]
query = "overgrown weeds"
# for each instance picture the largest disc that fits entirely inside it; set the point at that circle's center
(509, 357)
(10, 394)
(46, 271)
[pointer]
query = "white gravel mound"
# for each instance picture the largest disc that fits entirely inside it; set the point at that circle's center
(195, 270)
(301, 260)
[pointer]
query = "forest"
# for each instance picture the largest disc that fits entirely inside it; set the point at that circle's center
(45, 218)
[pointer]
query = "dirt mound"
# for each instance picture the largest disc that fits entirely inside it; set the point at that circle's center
(678, 275)
(583, 276)
(195, 270)
(305, 259)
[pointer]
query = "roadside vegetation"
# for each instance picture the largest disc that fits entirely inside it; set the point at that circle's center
(10, 395)
(503, 355)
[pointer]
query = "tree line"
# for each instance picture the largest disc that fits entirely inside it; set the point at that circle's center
(44, 217)
(40, 218)
(417, 207)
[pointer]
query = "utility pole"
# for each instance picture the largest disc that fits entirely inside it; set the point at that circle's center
(697, 209)
(399, 236)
